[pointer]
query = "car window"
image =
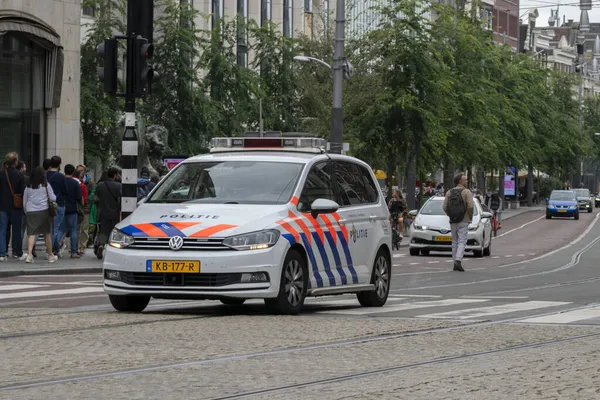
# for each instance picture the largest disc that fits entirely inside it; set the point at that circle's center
(351, 188)
(317, 186)
(371, 189)
(435, 207)
(582, 192)
(236, 182)
(565, 196)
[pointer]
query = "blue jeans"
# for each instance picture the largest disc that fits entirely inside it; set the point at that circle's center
(70, 223)
(57, 236)
(15, 217)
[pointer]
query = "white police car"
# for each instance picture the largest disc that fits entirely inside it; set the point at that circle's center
(275, 218)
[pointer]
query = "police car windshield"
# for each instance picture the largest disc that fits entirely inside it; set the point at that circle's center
(232, 182)
(433, 207)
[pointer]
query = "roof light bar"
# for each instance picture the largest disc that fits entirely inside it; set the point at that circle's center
(313, 145)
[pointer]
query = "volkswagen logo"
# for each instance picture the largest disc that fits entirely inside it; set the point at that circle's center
(444, 231)
(176, 243)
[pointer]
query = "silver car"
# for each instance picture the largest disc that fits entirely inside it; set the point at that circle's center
(430, 230)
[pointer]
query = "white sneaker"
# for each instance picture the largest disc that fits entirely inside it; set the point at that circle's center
(52, 258)
(23, 257)
(29, 260)
(2, 259)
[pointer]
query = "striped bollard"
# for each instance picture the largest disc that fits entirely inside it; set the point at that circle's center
(129, 174)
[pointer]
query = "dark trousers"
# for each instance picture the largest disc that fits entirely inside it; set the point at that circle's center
(106, 227)
(14, 231)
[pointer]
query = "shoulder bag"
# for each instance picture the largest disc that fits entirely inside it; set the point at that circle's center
(52, 206)
(17, 198)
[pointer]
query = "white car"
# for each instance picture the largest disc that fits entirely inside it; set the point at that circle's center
(430, 230)
(271, 218)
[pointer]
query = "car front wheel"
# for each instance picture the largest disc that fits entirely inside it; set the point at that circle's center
(129, 303)
(292, 287)
(381, 278)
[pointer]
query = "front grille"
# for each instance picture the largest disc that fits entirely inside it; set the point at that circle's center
(188, 244)
(159, 279)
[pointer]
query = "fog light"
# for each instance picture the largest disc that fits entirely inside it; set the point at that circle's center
(255, 277)
(113, 275)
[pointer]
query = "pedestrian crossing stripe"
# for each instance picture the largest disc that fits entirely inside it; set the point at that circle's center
(20, 287)
(404, 307)
(567, 317)
(44, 293)
(494, 310)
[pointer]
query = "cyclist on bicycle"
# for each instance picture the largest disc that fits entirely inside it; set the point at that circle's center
(397, 207)
(495, 204)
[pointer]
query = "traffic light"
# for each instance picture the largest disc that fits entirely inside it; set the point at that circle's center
(108, 73)
(144, 74)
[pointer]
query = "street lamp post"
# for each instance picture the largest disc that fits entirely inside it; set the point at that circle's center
(341, 70)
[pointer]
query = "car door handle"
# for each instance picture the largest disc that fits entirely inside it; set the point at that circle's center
(342, 222)
(373, 218)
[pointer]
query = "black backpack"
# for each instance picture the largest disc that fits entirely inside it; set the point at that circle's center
(495, 202)
(456, 207)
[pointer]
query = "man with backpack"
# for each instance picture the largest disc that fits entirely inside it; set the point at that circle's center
(495, 204)
(458, 206)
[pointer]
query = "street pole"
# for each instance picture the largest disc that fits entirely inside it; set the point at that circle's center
(337, 112)
(129, 149)
(580, 115)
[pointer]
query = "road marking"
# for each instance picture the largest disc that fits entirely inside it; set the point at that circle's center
(433, 262)
(520, 227)
(415, 295)
(479, 312)
(399, 255)
(520, 255)
(79, 283)
(507, 256)
(414, 263)
(19, 287)
(449, 261)
(566, 317)
(42, 293)
(495, 297)
(496, 257)
(404, 307)
(532, 254)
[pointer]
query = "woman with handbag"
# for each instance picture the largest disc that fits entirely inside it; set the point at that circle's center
(40, 206)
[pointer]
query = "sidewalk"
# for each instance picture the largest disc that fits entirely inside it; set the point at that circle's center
(513, 212)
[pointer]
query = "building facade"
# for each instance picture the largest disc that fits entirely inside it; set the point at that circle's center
(40, 79)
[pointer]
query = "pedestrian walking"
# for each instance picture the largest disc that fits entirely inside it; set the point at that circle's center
(39, 205)
(12, 185)
(59, 186)
(458, 206)
(73, 203)
(495, 204)
(83, 222)
(108, 199)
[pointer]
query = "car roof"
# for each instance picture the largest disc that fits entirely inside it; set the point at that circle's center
(272, 156)
(564, 191)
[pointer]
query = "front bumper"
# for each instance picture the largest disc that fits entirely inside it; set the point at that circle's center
(426, 240)
(561, 212)
(220, 274)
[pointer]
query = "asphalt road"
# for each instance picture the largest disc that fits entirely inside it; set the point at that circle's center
(523, 323)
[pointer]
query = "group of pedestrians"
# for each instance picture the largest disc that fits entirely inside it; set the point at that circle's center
(58, 205)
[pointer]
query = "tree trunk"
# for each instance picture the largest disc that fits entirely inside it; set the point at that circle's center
(411, 180)
(530, 185)
(481, 180)
(469, 177)
(502, 172)
(448, 174)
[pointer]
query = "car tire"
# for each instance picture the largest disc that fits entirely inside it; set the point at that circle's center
(478, 253)
(548, 216)
(295, 274)
(414, 252)
(232, 301)
(488, 250)
(125, 303)
(425, 252)
(380, 277)
(589, 210)
(576, 216)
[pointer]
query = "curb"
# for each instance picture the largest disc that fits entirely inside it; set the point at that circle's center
(50, 271)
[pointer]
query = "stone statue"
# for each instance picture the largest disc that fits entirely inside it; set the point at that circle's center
(152, 146)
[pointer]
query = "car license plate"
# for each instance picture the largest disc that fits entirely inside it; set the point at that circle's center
(442, 238)
(184, 267)
(562, 210)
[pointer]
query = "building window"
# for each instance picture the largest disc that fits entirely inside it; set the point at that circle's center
(88, 11)
(242, 39)
(217, 11)
(308, 6)
(288, 15)
(326, 7)
(486, 18)
(266, 10)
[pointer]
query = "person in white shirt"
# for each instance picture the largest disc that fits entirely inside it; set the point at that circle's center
(36, 203)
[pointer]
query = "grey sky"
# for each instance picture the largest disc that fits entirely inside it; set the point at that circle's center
(569, 9)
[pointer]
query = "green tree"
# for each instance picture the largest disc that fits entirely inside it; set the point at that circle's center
(100, 113)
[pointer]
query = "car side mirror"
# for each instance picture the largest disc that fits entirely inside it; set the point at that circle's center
(547, 199)
(413, 213)
(486, 214)
(323, 206)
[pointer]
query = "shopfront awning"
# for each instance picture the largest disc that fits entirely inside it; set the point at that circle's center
(46, 38)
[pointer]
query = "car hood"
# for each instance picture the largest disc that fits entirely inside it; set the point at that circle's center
(437, 221)
(200, 220)
(562, 202)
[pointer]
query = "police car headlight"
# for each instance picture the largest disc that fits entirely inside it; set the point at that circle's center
(253, 241)
(119, 239)
(420, 227)
(473, 227)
